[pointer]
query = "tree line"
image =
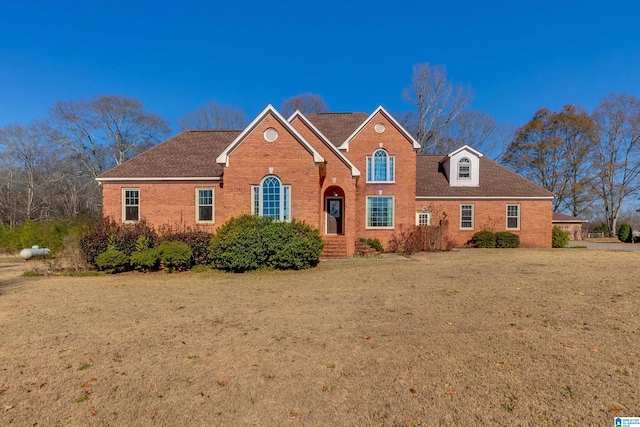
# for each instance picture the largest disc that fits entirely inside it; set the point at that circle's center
(591, 161)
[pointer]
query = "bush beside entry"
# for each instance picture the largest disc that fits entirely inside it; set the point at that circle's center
(559, 237)
(249, 242)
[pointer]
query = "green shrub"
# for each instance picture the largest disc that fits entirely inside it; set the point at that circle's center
(559, 237)
(374, 243)
(146, 260)
(106, 234)
(249, 242)
(112, 261)
(625, 233)
(505, 239)
(484, 239)
(198, 241)
(175, 255)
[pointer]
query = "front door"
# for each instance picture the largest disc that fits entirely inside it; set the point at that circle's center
(334, 215)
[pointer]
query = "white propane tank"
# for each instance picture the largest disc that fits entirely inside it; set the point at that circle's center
(34, 251)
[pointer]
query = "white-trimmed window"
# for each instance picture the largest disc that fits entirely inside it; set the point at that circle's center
(380, 211)
(513, 217)
(381, 167)
(271, 199)
(131, 204)
(423, 218)
(464, 168)
(466, 217)
(204, 204)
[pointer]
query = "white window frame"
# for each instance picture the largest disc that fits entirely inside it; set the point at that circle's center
(462, 206)
(393, 213)
(517, 216)
(257, 194)
(464, 162)
(198, 205)
(125, 205)
(390, 168)
(420, 215)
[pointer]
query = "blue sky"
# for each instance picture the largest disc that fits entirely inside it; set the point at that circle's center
(517, 56)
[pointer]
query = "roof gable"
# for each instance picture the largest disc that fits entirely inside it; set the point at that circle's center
(381, 110)
(298, 115)
(223, 158)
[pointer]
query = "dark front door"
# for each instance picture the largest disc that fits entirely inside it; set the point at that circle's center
(334, 215)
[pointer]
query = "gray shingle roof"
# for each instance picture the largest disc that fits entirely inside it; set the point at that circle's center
(495, 181)
(188, 154)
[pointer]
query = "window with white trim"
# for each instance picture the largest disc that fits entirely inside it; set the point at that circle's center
(464, 168)
(513, 217)
(380, 212)
(271, 199)
(204, 204)
(423, 218)
(381, 167)
(131, 204)
(466, 217)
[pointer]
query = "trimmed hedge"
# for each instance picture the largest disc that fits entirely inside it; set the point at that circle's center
(484, 239)
(559, 237)
(250, 242)
(146, 260)
(112, 261)
(505, 239)
(175, 255)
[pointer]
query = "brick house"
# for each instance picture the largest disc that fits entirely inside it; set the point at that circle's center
(351, 175)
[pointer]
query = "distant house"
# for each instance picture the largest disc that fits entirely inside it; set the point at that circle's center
(570, 224)
(352, 175)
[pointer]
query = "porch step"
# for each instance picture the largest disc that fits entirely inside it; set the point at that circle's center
(335, 247)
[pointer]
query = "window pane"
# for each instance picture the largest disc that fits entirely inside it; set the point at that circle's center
(369, 169)
(256, 199)
(205, 213)
(271, 198)
(286, 202)
(512, 216)
(466, 216)
(380, 212)
(380, 165)
(131, 213)
(512, 222)
(205, 197)
(392, 172)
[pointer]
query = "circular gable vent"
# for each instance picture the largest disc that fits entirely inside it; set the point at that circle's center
(271, 134)
(379, 127)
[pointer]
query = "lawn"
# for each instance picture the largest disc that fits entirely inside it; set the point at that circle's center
(475, 337)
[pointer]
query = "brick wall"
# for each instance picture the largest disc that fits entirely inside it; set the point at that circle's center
(339, 175)
(251, 162)
(535, 219)
(161, 202)
(404, 188)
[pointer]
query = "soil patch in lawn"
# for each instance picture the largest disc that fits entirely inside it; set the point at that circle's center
(475, 337)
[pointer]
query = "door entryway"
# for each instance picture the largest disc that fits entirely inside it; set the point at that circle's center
(334, 210)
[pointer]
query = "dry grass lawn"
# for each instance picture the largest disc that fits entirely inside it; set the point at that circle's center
(476, 337)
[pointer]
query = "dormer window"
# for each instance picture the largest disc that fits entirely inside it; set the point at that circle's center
(380, 167)
(464, 168)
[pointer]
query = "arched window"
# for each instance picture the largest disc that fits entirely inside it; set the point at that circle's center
(464, 168)
(271, 199)
(380, 167)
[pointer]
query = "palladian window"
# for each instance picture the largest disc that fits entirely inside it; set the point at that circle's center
(381, 167)
(271, 199)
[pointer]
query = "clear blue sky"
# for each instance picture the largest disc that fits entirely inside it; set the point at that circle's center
(174, 56)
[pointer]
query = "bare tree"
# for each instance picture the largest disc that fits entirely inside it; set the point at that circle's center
(26, 161)
(552, 150)
(105, 131)
(305, 103)
(437, 101)
(214, 116)
(617, 157)
(474, 128)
